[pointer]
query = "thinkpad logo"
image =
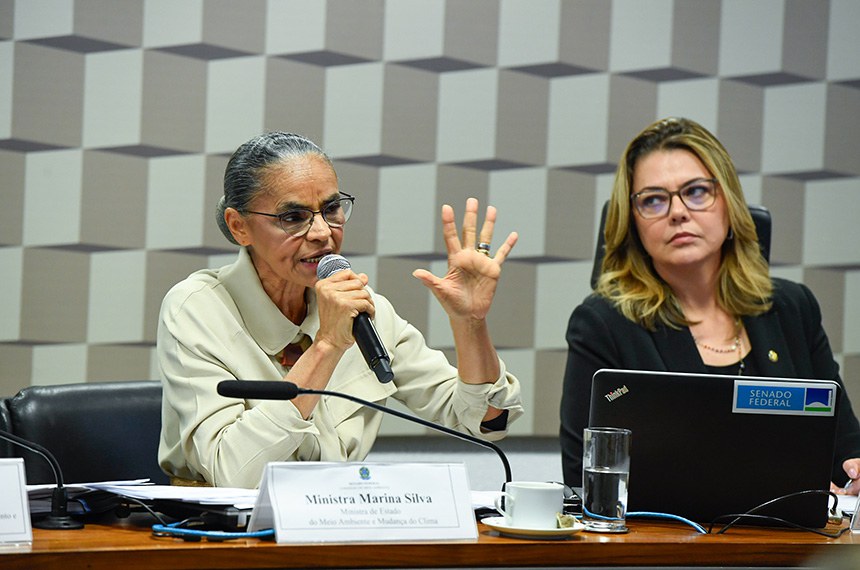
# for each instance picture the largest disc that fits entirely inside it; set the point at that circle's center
(617, 393)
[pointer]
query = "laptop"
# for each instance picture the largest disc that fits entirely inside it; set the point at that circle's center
(708, 445)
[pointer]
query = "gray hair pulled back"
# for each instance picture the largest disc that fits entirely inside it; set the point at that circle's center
(243, 172)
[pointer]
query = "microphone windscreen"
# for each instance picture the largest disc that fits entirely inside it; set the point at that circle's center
(258, 389)
(331, 264)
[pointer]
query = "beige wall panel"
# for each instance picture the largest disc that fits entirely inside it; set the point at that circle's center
(828, 286)
(111, 21)
(55, 295)
(783, 198)
(363, 183)
(523, 110)
(356, 28)
(741, 116)
(109, 363)
(408, 295)
(113, 202)
(585, 36)
(237, 25)
(16, 368)
(295, 99)
(410, 109)
(13, 166)
(48, 95)
(571, 203)
(549, 371)
(174, 102)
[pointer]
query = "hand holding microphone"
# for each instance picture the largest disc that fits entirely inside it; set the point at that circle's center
(365, 334)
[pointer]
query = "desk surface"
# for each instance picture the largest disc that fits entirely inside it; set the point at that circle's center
(129, 545)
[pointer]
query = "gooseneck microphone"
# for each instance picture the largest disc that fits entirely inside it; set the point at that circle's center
(59, 518)
(363, 330)
(284, 390)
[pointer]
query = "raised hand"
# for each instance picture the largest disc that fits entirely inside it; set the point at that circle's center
(466, 291)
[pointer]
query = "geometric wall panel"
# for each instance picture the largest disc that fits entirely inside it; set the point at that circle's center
(117, 119)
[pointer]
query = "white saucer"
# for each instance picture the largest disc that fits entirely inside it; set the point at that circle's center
(498, 524)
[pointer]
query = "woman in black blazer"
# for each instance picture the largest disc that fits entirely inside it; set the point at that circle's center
(684, 287)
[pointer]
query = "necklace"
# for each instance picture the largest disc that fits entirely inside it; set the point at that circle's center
(737, 345)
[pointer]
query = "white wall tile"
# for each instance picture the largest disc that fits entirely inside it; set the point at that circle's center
(851, 336)
(116, 296)
(59, 364)
(467, 115)
(353, 110)
(414, 29)
(560, 288)
(112, 98)
(696, 99)
(528, 32)
(641, 35)
(295, 26)
(578, 113)
(793, 131)
(52, 197)
(175, 211)
(38, 18)
(235, 102)
(751, 36)
(407, 210)
(519, 195)
(831, 232)
(169, 23)
(7, 67)
(843, 43)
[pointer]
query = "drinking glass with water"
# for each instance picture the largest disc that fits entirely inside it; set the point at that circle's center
(605, 472)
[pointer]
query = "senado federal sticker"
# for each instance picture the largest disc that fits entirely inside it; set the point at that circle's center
(791, 398)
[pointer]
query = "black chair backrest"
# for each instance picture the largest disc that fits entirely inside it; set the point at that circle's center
(761, 219)
(5, 425)
(100, 431)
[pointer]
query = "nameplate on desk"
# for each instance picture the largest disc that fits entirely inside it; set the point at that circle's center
(14, 509)
(364, 502)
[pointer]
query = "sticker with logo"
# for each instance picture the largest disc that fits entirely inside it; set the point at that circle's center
(790, 398)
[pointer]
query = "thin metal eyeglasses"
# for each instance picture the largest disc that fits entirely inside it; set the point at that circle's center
(298, 221)
(697, 195)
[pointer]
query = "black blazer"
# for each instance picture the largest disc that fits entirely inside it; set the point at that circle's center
(598, 336)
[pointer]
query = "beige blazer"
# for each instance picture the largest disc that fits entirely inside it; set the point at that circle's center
(220, 324)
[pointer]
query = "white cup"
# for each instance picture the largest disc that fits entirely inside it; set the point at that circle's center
(531, 504)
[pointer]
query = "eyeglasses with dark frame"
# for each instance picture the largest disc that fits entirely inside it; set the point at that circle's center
(696, 195)
(298, 221)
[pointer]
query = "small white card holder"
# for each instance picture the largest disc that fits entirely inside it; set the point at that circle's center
(15, 529)
(364, 502)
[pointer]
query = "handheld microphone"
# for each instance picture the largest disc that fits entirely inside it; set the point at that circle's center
(363, 330)
(59, 518)
(283, 390)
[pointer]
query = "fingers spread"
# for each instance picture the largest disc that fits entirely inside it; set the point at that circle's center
(470, 223)
(489, 226)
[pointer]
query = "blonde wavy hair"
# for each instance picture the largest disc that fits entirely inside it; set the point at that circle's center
(628, 277)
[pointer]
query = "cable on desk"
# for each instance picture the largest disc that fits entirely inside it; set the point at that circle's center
(647, 514)
(751, 514)
(176, 530)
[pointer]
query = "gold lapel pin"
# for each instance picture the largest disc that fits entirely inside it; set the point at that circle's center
(772, 355)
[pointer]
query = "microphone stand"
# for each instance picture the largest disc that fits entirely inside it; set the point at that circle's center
(282, 390)
(59, 518)
(423, 422)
